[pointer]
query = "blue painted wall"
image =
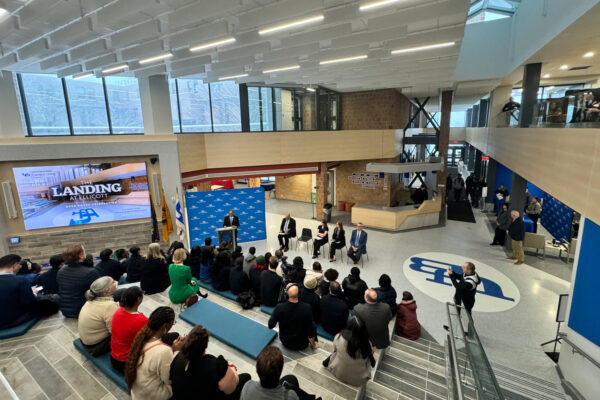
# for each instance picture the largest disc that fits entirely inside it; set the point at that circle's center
(535, 191)
(503, 176)
(585, 304)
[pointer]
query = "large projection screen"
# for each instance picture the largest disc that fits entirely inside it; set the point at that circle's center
(68, 195)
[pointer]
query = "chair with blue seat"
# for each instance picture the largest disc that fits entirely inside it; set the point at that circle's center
(305, 238)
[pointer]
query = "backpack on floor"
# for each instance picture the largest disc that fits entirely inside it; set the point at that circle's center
(247, 300)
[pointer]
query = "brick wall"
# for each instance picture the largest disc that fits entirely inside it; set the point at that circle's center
(40, 247)
(294, 187)
(346, 190)
(374, 109)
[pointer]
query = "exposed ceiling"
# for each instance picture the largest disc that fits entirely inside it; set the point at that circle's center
(72, 37)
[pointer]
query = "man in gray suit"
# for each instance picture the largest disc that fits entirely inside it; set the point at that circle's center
(377, 317)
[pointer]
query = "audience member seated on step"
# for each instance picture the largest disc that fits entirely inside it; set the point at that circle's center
(308, 296)
(121, 255)
(88, 261)
(208, 252)
(195, 374)
(269, 366)
(270, 284)
(249, 260)
(19, 303)
(183, 285)
(238, 280)
(296, 273)
(221, 270)
(96, 316)
(126, 323)
(330, 275)
(74, 280)
(386, 293)
(407, 324)
(47, 280)
(281, 261)
(195, 261)
(354, 288)
(358, 243)
(334, 310)
(296, 326)
(259, 266)
(134, 265)
(224, 249)
(155, 275)
(321, 238)
(223, 259)
(149, 362)
(338, 240)
(110, 267)
(30, 271)
(174, 247)
(237, 253)
(376, 317)
(352, 358)
(317, 272)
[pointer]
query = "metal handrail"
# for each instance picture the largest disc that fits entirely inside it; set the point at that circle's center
(577, 349)
(453, 354)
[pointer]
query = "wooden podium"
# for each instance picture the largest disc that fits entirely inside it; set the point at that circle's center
(228, 234)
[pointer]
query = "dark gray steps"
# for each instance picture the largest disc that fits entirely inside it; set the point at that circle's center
(408, 389)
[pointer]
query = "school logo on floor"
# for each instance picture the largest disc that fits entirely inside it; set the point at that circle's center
(428, 273)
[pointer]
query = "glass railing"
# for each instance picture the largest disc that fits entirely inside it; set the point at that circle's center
(471, 372)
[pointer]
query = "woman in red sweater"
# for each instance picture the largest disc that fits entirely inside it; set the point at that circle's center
(126, 323)
(407, 324)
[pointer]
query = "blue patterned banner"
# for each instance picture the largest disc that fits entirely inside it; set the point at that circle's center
(556, 218)
(206, 211)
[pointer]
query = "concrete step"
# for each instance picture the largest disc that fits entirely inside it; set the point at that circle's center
(418, 357)
(422, 382)
(311, 369)
(420, 342)
(408, 389)
(407, 366)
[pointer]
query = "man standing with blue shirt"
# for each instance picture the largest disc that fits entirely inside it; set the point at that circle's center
(358, 243)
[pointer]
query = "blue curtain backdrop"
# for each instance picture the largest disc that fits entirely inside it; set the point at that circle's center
(206, 211)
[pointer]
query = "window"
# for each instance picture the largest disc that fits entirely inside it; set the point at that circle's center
(194, 105)
(44, 104)
(87, 105)
(124, 104)
(174, 106)
(254, 108)
(267, 108)
(284, 109)
(225, 102)
(457, 119)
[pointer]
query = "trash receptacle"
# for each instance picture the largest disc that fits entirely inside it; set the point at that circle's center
(327, 212)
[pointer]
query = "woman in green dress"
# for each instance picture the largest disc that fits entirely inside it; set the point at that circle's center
(183, 284)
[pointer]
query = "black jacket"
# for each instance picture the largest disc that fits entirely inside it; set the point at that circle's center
(339, 236)
(236, 221)
(134, 266)
(291, 226)
(334, 314)
(48, 281)
(466, 287)
(16, 298)
(208, 255)
(295, 324)
(388, 296)
(270, 286)
(516, 230)
(238, 280)
(354, 290)
(309, 297)
(221, 279)
(155, 276)
(73, 281)
(111, 268)
(254, 275)
(419, 196)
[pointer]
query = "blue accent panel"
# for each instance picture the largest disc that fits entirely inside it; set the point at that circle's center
(556, 218)
(206, 211)
(535, 191)
(584, 318)
(503, 176)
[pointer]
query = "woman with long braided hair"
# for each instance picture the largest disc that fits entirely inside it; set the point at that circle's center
(147, 368)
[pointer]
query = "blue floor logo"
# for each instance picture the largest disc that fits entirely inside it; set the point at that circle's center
(427, 271)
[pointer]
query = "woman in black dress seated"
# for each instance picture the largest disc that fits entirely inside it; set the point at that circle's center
(321, 239)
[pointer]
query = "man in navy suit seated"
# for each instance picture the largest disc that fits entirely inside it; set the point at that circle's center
(358, 243)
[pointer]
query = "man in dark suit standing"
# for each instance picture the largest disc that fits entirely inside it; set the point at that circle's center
(232, 220)
(358, 243)
(516, 231)
(287, 230)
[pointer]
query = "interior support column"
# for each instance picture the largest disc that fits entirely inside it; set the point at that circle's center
(156, 105)
(321, 189)
(444, 138)
(531, 83)
(517, 193)
(490, 179)
(477, 164)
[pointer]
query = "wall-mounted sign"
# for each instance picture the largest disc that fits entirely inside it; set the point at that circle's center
(365, 180)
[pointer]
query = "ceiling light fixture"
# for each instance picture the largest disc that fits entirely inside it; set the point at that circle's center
(3, 12)
(422, 48)
(310, 89)
(291, 67)
(546, 76)
(216, 43)
(229, 77)
(339, 60)
(550, 87)
(588, 54)
(115, 68)
(82, 76)
(375, 4)
(563, 67)
(292, 24)
(159, 57)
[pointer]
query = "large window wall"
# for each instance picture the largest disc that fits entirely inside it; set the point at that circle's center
(89, 106)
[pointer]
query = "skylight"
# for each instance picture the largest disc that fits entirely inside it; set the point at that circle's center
(489, 10)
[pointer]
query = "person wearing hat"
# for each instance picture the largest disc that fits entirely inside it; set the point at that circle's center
(308, 296)
(259, 266)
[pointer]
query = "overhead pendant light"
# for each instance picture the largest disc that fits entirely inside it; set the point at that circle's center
(546, 76)
(292, 24)
(589, 54)
(216, 43)
(291, 67)
(564, 67)
(423, 48)
(345, 59)
(3, 11)
(82, 76)
(310, 89)
(376, 4)
(229, 77)
(158, 57)
(116, 68)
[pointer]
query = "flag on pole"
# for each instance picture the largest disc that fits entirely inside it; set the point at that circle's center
(179, 220)
(167, 223)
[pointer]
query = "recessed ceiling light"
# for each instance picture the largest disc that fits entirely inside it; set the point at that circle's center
(3, 12)
(115, 68)
(375, 4)
(589, 54)
(212, 44)
(421, 48)
(546, 76)
(563, 67)
(291, 67)
(159, 57)
(339, 60)
(229, 77)
(292, 24)
(310, 89)
(86, 75)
